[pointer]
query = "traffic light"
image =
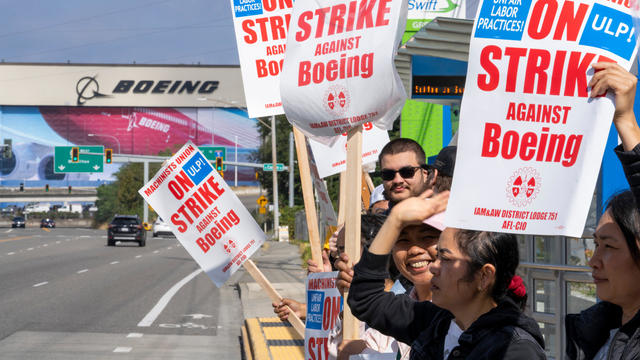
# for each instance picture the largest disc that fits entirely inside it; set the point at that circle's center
(108, 153)
(6, 150)
(219, 166)
(75, 154)
(69, 189)
(46, 188)
(21, 186)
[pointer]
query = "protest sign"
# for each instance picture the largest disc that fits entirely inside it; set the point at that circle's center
(261, 33)
(338, 69)
(333, 159)
(327, 213)
(203, 212)
(324, 304)
(530, 139)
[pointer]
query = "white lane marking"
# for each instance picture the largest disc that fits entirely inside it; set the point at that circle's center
(82, 271)
(114, 262)
(84, 236)
(40, 284)
(57, 242)
(122, 349)
(8, 231)
(29, 249)
(134, 335)
(164, 300)
(157, 251)
(11, 253)
(170, 247)
(45, 245)
(138, 256)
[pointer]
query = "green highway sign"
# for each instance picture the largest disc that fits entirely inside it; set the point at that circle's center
(212, 152)
(91, 159)
(269, 167)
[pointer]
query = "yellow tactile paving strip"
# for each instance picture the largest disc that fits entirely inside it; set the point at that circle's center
(271, 339)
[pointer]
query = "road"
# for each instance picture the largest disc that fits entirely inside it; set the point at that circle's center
(66, 295)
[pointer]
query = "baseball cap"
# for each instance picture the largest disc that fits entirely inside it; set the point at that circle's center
(377, 194)
(445, 161)
(436, 221)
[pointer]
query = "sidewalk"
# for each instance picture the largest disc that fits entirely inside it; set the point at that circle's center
(264, 335)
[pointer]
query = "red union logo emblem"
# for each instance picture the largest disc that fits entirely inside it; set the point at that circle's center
(336, 100)
(523, 186)
(230, 245)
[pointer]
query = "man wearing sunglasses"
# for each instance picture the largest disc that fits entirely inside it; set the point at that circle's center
(403, 170)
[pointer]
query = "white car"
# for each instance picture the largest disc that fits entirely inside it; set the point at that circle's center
(161, 228)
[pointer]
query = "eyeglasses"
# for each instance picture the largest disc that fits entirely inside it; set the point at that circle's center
(406, 172)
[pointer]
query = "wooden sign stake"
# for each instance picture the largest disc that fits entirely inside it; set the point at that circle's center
(307, 194)
(257, 275)
(352, 217)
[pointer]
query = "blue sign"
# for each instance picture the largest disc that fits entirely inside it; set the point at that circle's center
(247, 7)
(502, 19)
(315, 301)
(197, 168)
(611, 30)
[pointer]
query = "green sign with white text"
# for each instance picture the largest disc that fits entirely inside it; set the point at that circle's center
(90, 159)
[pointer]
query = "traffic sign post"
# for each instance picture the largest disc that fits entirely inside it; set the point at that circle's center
(90, 159)
(269, 167)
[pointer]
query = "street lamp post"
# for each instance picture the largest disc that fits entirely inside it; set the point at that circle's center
(111, 136)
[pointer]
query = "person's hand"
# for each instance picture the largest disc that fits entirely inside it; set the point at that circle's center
(336, 241)
(611, 76)
(414, 210)
(312, 267)
(345, 273)
(350, 347)
(282, 309)
(623, 84)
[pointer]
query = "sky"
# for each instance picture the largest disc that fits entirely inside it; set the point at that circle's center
(118, 31)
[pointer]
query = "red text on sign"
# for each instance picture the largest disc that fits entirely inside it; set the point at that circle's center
(529, 146)
(318, 348)
(344, 67)
(205, 195)
(218, 229)
(343, 18)
(545, 72)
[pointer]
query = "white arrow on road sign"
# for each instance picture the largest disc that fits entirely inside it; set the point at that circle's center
(96, 167)
(61, 167)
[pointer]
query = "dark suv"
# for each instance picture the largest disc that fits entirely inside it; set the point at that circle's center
(125, 228)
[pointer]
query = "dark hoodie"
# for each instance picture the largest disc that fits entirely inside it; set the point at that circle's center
(502, 333)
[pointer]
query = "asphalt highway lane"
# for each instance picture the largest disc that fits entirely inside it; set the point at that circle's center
(64, 293)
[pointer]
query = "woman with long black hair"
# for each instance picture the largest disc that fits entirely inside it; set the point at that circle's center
(611, 328)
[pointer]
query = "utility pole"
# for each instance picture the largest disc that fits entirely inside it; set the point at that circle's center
(291, 168)
(276, 215)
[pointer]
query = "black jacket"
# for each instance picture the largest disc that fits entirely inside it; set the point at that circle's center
(588, 331)
(502, 333)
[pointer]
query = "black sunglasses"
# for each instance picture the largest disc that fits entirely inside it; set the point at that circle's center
(406, 172)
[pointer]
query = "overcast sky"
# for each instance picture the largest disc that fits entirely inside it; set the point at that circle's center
(118, 31)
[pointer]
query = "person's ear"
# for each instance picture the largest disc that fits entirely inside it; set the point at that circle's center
(432, 180)
(487, 277)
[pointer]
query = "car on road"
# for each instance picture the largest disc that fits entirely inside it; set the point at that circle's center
(125, 228)
(18, 222)
(47, 223)
(161, 228)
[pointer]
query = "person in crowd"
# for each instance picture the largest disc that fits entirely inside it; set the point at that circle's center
(377, 203)
(611, 328)
(404, 170)
(411, 254)
(477, 302)
(442, 168)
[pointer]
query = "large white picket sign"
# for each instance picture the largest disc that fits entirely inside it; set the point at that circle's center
(338, 69)
(203, 212)
(261, 33)
(332, 159)
(531, 140)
